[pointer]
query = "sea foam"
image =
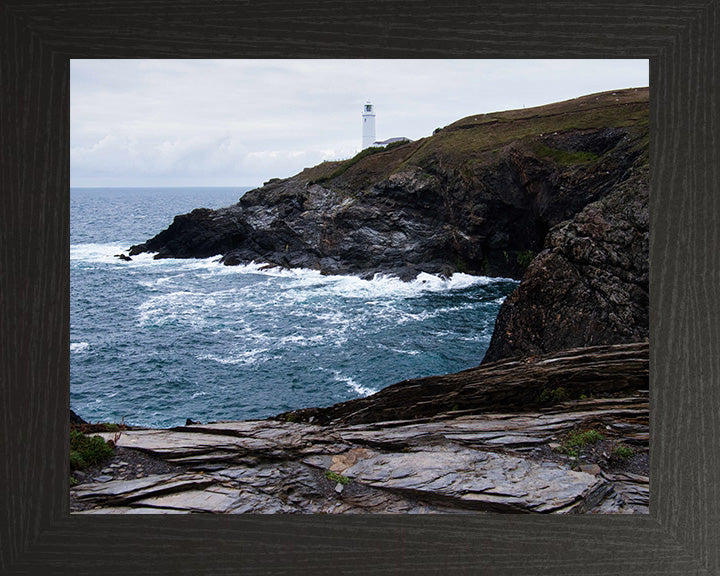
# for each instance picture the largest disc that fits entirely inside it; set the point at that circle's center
(95, 253)
(381, 285)
(354, 386)
(78, 347)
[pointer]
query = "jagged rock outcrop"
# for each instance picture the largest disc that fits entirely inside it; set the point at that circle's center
(478, 196)
(508, 454)
(75, 420)
(508, 385)
(591, 283)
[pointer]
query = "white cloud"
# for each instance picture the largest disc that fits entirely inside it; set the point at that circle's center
(241, 122)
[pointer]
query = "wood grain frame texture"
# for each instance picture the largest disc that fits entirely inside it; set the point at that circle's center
(681, 535)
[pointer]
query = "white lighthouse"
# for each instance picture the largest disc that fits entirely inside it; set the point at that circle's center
(368, 125)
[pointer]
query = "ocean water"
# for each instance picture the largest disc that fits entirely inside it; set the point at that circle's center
(159, 341)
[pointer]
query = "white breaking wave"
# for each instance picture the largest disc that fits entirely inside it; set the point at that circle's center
(407, 352)
(354, 386)
(107, 253)
(244, 358)
(381, 285)
(159, 281)
(79, 346)
(176, 306)
(301, 340)
(95, 252)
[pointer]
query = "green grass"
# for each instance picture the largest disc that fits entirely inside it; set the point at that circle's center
(554, 395)
(564, 157)
(338, 478)
(524, 257)
(473, 144)
(576, 441)
(87, 450)
(492, 132)
(354, 160)
(623, 452)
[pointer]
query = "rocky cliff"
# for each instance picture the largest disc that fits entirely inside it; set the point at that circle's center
(478, 196)
(590, 285)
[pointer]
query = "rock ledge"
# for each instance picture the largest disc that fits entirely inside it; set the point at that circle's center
(500, 454)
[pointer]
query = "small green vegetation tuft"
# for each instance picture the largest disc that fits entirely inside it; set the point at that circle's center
(565, 157)
(339, 478)
(291, 417)
(348, 164)
(554, 395)
(576, 441)
(623, 452)
(524, 257)
(87, 450)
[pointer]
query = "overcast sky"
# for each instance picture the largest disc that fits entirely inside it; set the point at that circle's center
(241, 122)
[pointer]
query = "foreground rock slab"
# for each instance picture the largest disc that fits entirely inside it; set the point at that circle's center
(476, 479)
(514, 461)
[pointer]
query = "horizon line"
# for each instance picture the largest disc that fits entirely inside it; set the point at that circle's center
(183, 186)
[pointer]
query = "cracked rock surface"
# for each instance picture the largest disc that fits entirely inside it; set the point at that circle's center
(503, 458)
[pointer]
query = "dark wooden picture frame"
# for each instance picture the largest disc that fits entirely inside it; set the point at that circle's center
(681, 535)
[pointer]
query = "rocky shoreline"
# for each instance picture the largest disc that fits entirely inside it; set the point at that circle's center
(478, 196)
(501, 454)
(554, 420)
(555, 196)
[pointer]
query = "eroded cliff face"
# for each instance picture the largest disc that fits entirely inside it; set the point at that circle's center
(591, 283)
(479, 196)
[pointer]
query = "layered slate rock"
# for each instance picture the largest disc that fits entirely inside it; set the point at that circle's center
(452, 461)
(126, 491)
(475, 479)
(626, 417)
(479, 196)
(500, 386)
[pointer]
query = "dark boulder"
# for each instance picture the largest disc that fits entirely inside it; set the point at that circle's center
(75, 420)
(200, 234)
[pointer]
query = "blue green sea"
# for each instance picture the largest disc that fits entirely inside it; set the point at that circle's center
(155, 342)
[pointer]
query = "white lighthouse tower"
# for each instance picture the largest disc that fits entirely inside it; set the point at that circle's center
(368, 125)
